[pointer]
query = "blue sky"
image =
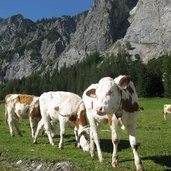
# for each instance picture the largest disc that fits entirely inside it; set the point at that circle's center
(38, 9)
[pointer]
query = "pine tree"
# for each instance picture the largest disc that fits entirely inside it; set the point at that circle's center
(166, 75)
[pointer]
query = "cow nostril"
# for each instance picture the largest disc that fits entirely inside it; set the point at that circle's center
(99, 109)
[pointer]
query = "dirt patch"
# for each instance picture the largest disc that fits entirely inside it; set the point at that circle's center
(21, 165)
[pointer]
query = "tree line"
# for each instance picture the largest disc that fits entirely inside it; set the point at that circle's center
(151, 79)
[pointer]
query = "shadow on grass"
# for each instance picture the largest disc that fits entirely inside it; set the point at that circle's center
(161, 160)
(107, 146)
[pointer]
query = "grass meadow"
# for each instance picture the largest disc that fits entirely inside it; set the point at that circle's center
(153, 133)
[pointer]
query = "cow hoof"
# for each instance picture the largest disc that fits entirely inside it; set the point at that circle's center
(61, 148)
(35, 142)
(78, 146)
(115, 164)
(140, 169)
(101, 160)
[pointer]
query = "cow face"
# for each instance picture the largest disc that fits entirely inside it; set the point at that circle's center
(107, 95)
(84, 140)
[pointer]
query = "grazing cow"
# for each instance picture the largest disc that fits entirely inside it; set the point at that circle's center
(166, 110)
(22, 106)
(63, 107)
(118, 97)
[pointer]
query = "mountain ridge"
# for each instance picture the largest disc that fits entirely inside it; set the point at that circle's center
(27, 46)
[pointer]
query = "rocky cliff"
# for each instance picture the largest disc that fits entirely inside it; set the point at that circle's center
(150, 29)
(27, 46)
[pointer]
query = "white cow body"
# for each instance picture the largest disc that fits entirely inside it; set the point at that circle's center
(166, 110)
(63, 107)
(118, 97)
(22, 106)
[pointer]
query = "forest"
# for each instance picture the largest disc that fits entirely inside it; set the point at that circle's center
(151, 80)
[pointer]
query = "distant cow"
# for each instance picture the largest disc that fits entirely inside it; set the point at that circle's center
(166, 110)
(22, 106)
(118, 97)
(63, 107)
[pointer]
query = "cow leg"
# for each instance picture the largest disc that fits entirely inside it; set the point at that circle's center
(39, 128)
(10, 124)
(115, 141)
(94, 137)
(92, 150)
(76, 137)
(32, 126)
(9, 120)
(53, 129)
(62, 132)
(134, 146)
(16, 124)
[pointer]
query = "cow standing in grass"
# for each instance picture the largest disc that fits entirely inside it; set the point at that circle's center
(22, 106)
(118, 97)
(63, 107)
(166, 110)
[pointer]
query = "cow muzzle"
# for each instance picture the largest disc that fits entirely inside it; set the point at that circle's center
(100, 111)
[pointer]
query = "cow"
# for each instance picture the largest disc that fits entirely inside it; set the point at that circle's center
(65, 107)
(19, 106)
(166, 110)
(119, 98)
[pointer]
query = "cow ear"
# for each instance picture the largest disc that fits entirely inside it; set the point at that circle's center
(124, 81)
(91, 93)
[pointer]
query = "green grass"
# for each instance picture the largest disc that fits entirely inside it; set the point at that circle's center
(153, 133)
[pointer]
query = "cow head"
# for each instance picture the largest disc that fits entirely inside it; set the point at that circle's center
(82, 131)
(84, 139)
(107, 95)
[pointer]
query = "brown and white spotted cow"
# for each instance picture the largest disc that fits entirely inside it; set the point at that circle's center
(64, 107)
(118, 97)
(22, 106)
(166, 110)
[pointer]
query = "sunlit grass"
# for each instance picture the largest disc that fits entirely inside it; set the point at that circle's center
(153, 133)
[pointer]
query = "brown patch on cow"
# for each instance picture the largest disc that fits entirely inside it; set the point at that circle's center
(73, 118)
(79, 120)
(128, 106)
(125, 80)
(57, 108)
(169, 109)
(110, 119)
(24, 99)
(35, 113)
(91, 92)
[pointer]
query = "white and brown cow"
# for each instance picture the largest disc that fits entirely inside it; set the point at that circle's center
(118, 97)
(63, 107)
(22, 106)
(166, 110)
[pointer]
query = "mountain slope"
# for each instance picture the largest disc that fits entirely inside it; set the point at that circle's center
(27, 46)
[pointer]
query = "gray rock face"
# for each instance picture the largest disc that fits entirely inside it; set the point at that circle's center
(27, 46)
(150, 29)
(97, 30)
